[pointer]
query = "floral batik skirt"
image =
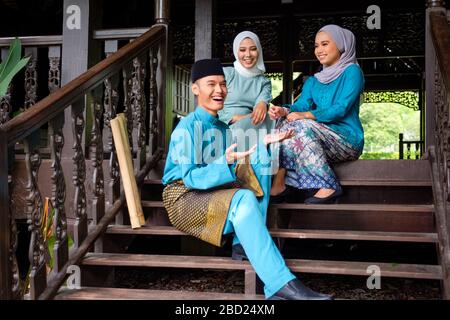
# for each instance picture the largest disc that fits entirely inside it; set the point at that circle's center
(308, 154)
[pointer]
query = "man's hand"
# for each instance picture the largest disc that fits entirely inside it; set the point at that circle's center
(233, 156)
(276, 112)
(259, 113)
(278, 137)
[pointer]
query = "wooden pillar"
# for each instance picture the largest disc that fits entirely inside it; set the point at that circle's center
(288, 42)
(79, 53)
(5, 227)
(422, 114)
(165, 75)
(204, 28)
(430, 65)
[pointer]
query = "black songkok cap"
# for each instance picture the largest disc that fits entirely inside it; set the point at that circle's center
(206, 67)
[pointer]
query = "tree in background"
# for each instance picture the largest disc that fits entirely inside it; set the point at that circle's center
(382, 123)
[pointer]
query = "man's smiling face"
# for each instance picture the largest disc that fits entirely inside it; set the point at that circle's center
(211, 92)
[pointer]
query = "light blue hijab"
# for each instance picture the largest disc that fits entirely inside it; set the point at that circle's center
(345, 42)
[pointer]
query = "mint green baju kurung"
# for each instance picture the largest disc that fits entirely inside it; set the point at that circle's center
(244, 93)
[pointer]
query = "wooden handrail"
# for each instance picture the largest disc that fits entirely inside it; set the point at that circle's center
(440, 32)
(57, 280)
(119, 34)
(27, 122)
(33, 41)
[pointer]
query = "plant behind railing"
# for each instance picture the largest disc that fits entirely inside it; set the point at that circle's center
(136, 64)
(11, 65)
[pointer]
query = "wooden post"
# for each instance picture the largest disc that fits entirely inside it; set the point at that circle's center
(288, 41)
(422, 114)
(400, 145)
(79, 52)
(5, 267)
(204, 27)
(164, 76)
(430, 65)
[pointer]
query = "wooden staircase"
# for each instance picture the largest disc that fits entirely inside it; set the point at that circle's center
(388, 201)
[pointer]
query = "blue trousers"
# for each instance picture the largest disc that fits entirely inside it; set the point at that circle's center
(247, 219)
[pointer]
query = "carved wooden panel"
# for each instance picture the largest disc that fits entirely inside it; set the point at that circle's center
(37, 252)
(31, 80)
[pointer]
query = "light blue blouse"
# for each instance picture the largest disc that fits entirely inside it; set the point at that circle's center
(337, 103)
(244, 93)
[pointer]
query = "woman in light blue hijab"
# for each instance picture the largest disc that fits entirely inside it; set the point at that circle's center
(325, 119)
(249, 92)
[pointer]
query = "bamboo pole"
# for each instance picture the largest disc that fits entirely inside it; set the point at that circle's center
(132, 197)
(136, 195)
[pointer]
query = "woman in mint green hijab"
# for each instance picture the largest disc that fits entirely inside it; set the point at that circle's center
(249, 92)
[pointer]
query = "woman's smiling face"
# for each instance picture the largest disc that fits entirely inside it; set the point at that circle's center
(326, 50)
(248, 53)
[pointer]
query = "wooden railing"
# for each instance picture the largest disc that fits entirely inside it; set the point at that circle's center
(35, 47)
(406, 150)
(136, 66)
(440, 153)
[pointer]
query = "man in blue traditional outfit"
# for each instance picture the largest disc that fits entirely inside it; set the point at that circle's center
(210, 191)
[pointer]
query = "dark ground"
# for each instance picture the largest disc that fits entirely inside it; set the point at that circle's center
(342, 287)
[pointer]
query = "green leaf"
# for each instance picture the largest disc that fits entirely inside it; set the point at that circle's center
(4, 83)
(15, 52)
(51, 245)
(2, 64)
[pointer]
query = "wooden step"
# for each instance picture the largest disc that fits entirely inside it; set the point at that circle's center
(97, 293)
(362, 217)
(415, 271)
(293, 233)
(174, 261)
(384, 172)
(424, 208)
(376, 173)
(355, 235)
(354, 182)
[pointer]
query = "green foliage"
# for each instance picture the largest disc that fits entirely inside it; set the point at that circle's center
(49, 238)
(11, 65)
(408, 99)
(382, 123)
(379, 155)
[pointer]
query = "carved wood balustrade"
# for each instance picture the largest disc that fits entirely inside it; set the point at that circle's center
(135, 67)
(439, 153)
